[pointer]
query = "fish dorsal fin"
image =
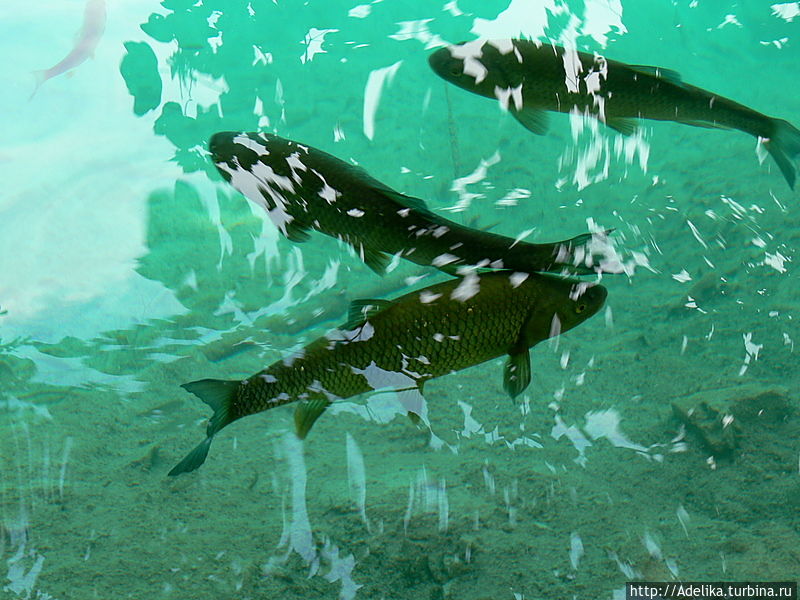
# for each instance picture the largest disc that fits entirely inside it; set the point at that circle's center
(361, 310)
(532, 119)
(623, 126)
(381, 188)
(417, 204)
(374, 259)
(306, 414)
(661, 73)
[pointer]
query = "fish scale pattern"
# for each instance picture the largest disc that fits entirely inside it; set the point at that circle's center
(411, 341)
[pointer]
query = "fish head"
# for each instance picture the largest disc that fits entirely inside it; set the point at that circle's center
(481, 66)
(230, 154)
(583, 301)
(564, 303)
(267, 169)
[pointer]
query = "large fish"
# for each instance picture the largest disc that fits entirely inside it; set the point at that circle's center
(399, 345)
(303, 188)
(530, 78)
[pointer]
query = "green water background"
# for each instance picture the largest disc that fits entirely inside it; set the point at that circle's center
(127, 269)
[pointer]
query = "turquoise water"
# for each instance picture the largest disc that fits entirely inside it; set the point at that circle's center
(128, 268)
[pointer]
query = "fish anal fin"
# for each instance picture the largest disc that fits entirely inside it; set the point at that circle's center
(623, 126)
(666, 74)
(361, 310)
(533, 119)
(306, 414)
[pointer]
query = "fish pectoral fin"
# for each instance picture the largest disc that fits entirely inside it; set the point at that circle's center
(533, 119)
(306, 414)
(296, 232)
(517, 373)
(623, 126)
(374, 259)
(661, 73)
(360, 311)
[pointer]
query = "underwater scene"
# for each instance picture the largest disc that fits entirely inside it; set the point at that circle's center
(523, 272)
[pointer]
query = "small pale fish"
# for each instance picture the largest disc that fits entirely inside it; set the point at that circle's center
(530, 79)
(399, 345)
(303, 188)
(94, 24)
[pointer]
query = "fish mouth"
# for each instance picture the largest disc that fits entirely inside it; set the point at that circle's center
(221, 146)
(444, 65)
(595, 297)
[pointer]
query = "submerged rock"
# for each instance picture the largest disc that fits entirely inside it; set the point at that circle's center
(721, 417)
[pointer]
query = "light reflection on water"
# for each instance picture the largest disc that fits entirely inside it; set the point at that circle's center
(125, 284)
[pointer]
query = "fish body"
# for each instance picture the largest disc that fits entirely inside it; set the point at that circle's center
(399, 345)
(94, 24)
(303, 188)
(530, 79)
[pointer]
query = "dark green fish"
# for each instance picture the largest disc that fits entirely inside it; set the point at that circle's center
(303, 188)
(530, 78)
(399, 345)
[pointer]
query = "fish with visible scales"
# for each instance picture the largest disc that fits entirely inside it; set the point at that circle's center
(530, 79)
(398, 345)
(303, 188)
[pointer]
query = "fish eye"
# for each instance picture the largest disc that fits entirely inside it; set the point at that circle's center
(580, 307)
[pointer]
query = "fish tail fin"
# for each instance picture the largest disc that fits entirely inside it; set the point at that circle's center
(784, 146)
(575, 256)
(40, 77)
(219, 395)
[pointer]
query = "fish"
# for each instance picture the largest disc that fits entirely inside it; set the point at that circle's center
(94, 24)
(398, 345)
(531, 79)
(303, 188)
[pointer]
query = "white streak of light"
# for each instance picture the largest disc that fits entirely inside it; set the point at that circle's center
(300, 538)
(696, 233)
(575, 549)
(684, 518)
(444, 506)
(751, 349)
(64, 460)
(372, 95)
(356, 479)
